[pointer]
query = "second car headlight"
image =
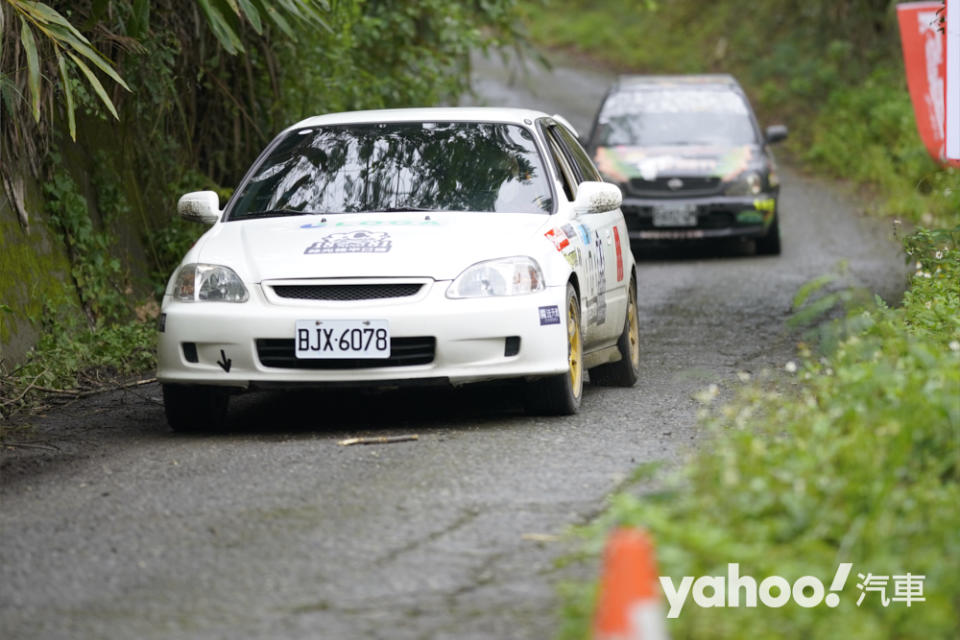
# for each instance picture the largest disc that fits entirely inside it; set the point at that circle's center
(747, 184)
(504, 277)
(208, 283)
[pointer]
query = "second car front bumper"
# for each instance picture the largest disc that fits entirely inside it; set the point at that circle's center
(715, 217)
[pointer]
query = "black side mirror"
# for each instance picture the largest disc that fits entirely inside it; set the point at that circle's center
(776, 133)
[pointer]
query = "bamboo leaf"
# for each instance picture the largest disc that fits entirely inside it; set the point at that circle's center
(221, 28)
(139, 19)
(252, 15)
(41, 13)
(95, 83)
(67, 40)
(33, 67)
(68, 92)
(277, 18)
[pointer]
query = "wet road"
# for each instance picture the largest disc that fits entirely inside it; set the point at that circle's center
(113, 527)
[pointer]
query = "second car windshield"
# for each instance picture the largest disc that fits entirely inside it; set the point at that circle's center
(421, 166)
(669, 117)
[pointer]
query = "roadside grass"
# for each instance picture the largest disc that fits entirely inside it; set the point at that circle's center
(856, 458)
(72, 359)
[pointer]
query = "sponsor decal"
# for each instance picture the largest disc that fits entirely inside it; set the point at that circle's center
(600, 282)
(572, 258)
(749, 217)
(351, 242)
(323, 224)
(769, 205)
(569, 231)
(549, 315)
(616, 240)
(560, 242)
(584, 234)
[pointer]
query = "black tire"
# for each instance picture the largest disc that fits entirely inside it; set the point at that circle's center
(560, 395)
(195, 409)
(769, 245)
(626, 371)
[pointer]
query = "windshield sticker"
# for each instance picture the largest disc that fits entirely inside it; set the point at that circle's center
(559, 240)
(549, 315)
(734, 162)
(351, 242)
(672, 101)
(622, 163)
(323, 224)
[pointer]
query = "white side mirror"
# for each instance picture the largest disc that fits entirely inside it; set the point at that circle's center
(597, 197)
(200, 206)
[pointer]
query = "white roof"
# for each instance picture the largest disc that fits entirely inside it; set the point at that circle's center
(432, 114)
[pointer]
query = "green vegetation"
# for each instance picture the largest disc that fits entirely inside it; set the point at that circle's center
(853, 455)
(856, 458)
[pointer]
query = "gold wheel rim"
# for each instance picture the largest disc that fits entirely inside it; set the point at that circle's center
(574, 347)
(634, 329)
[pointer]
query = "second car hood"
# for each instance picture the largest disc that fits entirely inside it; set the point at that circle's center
(435, 245)
(622, 163)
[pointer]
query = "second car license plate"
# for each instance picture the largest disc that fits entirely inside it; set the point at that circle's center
(680, 215)
(342, 339)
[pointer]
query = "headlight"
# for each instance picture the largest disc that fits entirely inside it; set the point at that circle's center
(504, 277)
(208, 283)
(748, 184)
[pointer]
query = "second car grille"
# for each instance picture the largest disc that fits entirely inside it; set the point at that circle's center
(347, 292)
(404, 352)
(666, 187)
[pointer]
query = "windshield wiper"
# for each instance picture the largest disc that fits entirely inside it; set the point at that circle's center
(401, 209)
(270, 213)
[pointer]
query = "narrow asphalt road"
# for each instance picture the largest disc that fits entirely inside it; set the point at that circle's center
(113, 527)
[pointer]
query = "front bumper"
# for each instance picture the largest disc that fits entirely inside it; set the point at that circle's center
(237, 344)
(715, 217)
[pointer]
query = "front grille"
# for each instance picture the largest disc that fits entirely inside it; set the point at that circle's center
(347, 292)
(660, 187)
(404, 352)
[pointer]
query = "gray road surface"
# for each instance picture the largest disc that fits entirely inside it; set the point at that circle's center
(112, 527)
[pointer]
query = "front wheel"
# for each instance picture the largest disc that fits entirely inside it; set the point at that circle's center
(560, 395)
(626, 371)
(193, 409)
(769, 245)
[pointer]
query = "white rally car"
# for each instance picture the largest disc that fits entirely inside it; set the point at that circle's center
(374, 248)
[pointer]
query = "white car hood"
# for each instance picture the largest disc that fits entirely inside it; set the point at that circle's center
(434, 245)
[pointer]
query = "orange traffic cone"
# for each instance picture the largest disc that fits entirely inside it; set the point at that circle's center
(629, 606)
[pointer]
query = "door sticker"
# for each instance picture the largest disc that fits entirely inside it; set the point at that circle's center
(559, 240)
(616, 239)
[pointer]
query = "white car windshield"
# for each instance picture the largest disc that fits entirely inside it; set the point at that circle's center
(669, 117)
(419, 166)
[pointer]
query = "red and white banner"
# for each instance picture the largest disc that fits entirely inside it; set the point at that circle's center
(952, 129)
(931, 61)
